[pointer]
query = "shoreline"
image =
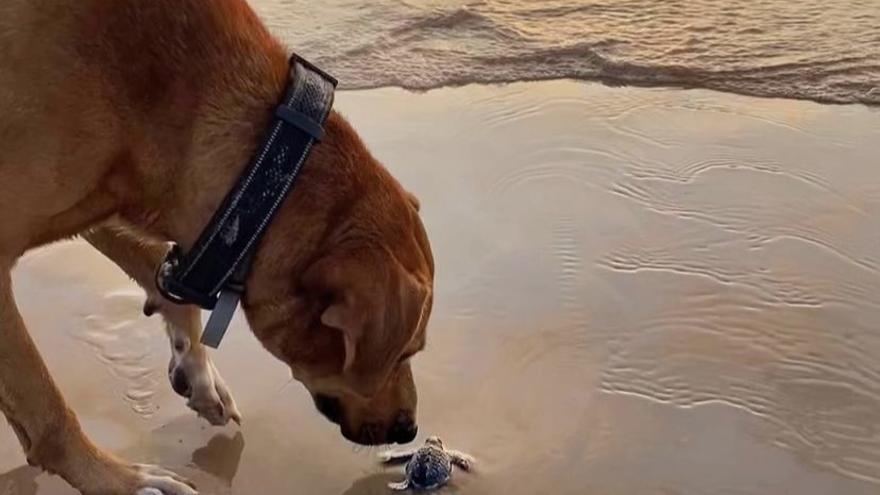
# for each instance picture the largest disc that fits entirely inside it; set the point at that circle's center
(609, 83)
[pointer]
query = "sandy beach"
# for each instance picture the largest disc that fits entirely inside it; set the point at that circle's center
(640, 291)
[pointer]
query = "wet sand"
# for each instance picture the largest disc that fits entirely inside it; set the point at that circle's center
(640, 291)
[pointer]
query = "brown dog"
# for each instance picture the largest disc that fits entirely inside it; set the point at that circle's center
(128, 121)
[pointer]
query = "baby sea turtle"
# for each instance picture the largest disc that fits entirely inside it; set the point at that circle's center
(428, 467)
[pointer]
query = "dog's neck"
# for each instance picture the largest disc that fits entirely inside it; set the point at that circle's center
(196, 88)
(203, 91)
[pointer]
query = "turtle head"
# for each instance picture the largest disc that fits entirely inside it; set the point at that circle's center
(435, 441)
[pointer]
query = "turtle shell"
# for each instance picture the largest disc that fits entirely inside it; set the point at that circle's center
(430, 467)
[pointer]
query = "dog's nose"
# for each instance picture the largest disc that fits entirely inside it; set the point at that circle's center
(404, 429)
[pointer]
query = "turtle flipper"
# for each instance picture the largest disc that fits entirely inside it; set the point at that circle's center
(396, 456)
(461, 459)
(401, 486)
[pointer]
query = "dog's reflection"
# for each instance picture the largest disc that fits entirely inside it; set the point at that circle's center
(220, 457)
(19, 481)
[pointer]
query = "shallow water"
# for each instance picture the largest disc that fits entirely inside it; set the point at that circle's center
(640, 291)
(825, 50)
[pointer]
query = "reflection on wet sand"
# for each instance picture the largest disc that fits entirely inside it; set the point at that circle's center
(377, 484)
(372, 484)
(220, 458)
(639, 291)
(19, 481)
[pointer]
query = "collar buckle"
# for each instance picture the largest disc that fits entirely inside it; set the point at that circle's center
(175, 291)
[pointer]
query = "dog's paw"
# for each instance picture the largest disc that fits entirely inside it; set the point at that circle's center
(191, 372)
(201, 384)
(111, 477)
(157, 481)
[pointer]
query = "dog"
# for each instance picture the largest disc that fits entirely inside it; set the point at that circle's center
(127, 122)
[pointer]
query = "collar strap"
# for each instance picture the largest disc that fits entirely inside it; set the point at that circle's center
(212, 274)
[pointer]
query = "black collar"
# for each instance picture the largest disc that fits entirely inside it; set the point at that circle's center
(212, 274)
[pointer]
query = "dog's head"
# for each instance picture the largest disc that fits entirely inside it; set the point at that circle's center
(342, 290)
(372, 313)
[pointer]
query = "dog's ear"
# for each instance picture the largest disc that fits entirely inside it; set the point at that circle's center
(340, 286)
(414, 201)
(376, 306)
(345, 316)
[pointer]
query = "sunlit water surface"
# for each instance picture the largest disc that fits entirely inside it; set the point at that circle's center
(814, 49)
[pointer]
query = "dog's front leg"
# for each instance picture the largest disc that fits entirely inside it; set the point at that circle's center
(48, 430)
(191, 372)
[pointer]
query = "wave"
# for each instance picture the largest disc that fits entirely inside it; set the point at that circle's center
(815, 50)
(457, 18)
(838, 83)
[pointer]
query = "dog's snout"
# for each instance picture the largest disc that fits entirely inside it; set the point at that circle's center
(370, 434)
(403, 430)
(330, 407)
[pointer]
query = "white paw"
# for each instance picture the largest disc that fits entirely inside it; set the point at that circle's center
(212, 400)
(191, 372)
(207, 394)
(158, 481)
